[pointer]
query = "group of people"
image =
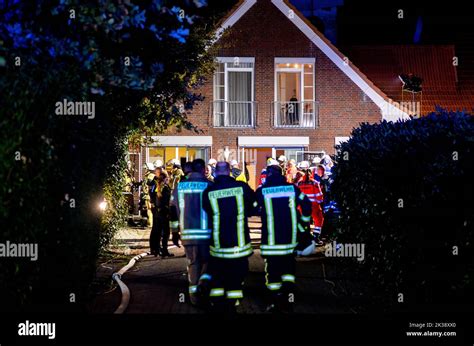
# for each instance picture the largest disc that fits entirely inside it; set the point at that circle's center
(158, 185)
(207, 210)
(313, 179)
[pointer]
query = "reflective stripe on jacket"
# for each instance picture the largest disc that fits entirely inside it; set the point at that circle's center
(229, 203)
(312, 189)
(278, 202)
(187, 213)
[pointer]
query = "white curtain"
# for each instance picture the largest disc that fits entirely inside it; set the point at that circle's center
(240, 96)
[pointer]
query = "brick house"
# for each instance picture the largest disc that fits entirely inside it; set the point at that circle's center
(280, 88)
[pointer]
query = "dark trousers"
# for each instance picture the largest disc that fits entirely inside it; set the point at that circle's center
(227, 278)
(280, 277)
(160, 233)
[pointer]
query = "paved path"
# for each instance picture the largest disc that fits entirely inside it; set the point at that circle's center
(157, 284)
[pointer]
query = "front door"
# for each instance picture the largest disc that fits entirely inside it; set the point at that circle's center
(262, 155)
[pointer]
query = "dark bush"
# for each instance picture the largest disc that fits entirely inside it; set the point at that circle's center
(136, 61)
(405, 190)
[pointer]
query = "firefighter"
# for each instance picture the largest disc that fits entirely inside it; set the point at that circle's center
(263, 177)
(314, 167)
(236, 172)
(149, 188)
(189, 218)
(282, 161)
(311, 188)
(145, 200)
(291, 171)
(263, 174)
(187, 169)
(299, 173)
(278, 202)
(176, 173)
(228, 203)
(212, 166)
(327, 162)
(324, 181)
(160, 194)
(158, 166)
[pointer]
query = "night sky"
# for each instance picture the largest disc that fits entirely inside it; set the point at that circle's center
(376, 22)
(366, 22)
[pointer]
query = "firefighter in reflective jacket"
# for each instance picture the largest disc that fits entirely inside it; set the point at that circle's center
(228, 203)
(188, 217)
(312, 189)
(263, 174)
(278, 202)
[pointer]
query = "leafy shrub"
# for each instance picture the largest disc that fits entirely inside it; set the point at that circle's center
(138, 63)
(405, 190)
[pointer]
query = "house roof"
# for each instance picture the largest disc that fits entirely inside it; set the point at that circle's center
(442, 83)
(389, 109)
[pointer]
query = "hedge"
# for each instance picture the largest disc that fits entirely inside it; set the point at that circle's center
(405, 190)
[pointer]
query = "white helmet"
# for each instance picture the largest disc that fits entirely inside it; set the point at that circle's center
(326, 158)
(212, 162)
(317, 160)
(175, 162)
(150, 166)
(304, 165)
(158, 164)
(234, 163)
(282, 158)
(272, 162)
(327, 161)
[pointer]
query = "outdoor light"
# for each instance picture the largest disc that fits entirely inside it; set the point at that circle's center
(103, 205)
(287, 65)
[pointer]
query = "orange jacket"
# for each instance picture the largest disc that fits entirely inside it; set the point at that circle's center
(312, 189)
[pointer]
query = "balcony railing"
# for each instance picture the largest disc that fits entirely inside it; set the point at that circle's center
(233, 113)
(297, 114)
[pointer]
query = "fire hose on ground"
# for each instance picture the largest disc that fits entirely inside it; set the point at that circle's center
(125, 291)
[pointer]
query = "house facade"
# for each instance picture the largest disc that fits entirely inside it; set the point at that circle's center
(280, 88)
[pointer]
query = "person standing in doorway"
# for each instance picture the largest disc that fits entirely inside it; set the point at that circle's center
(293, 113)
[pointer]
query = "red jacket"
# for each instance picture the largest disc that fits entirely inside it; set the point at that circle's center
(312, 189)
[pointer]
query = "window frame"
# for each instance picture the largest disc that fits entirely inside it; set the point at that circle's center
(225, 61)
(301, 70)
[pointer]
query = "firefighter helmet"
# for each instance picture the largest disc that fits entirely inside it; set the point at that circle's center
(304, 165)
(158, 164)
